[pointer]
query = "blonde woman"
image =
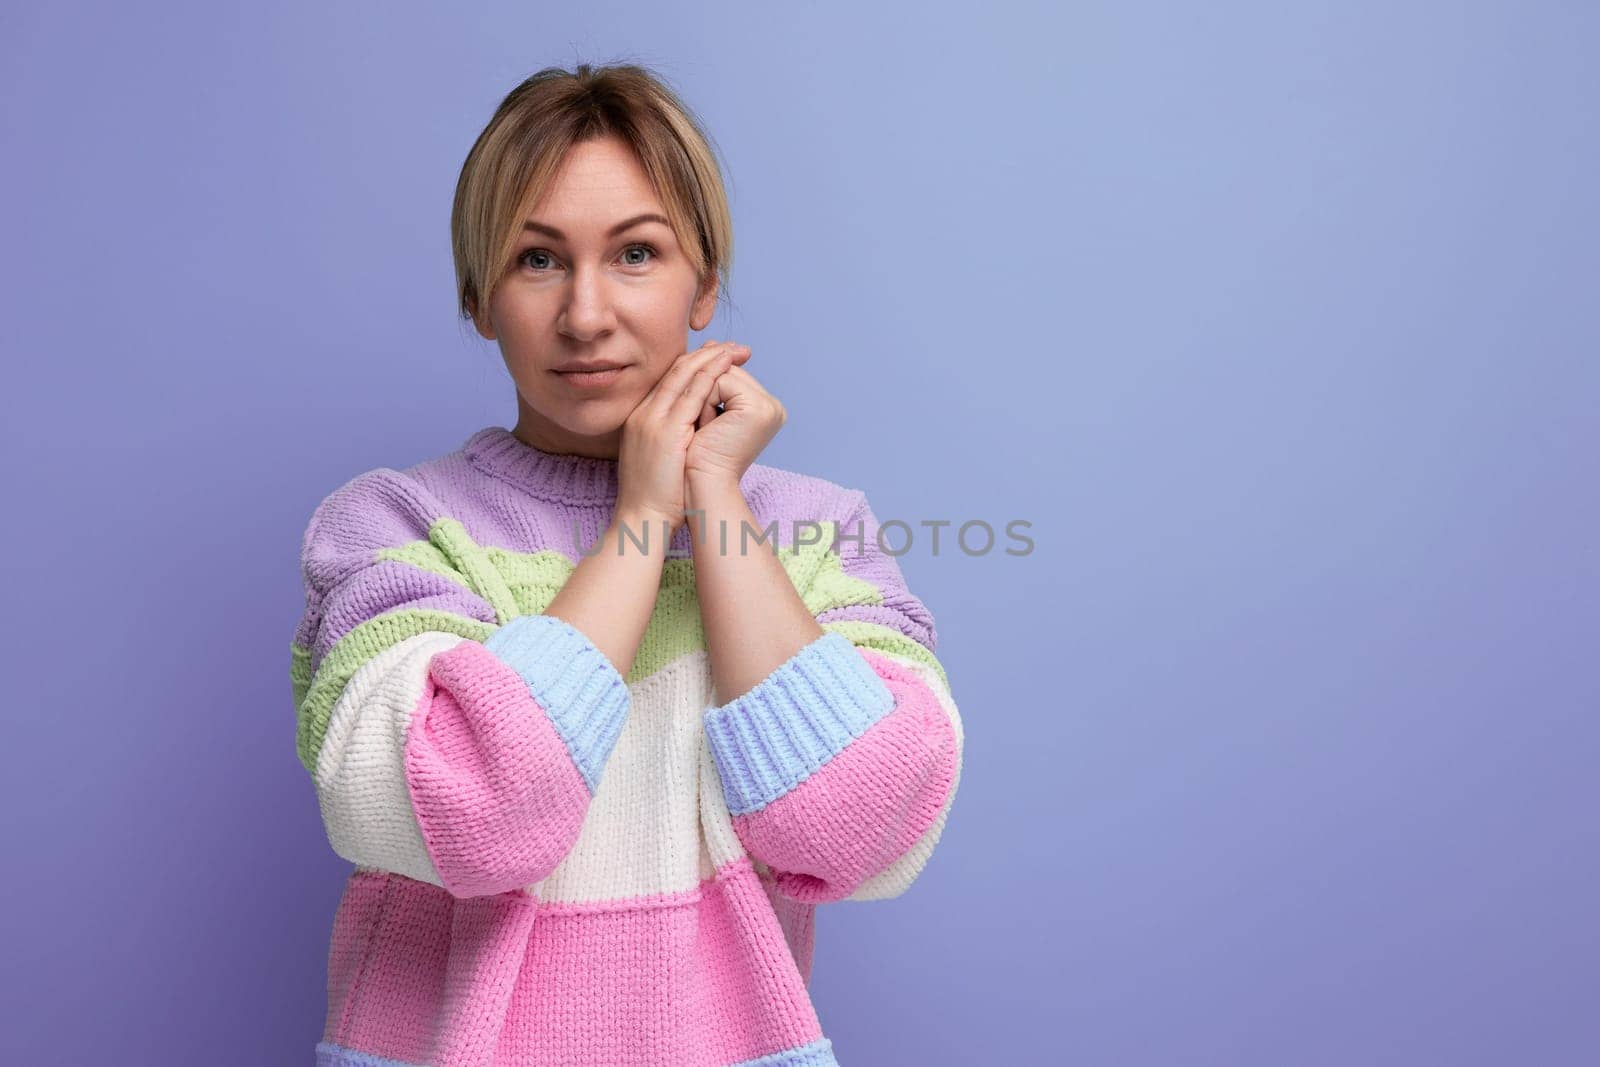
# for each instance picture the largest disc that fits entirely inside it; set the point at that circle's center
(601, 708)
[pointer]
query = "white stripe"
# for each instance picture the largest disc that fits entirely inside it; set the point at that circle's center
(642, 834)
(658, 822)
(361, 777)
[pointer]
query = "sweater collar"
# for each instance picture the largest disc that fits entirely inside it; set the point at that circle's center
(556, 476)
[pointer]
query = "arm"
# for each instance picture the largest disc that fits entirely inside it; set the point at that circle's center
(451, 738)
(839, 756)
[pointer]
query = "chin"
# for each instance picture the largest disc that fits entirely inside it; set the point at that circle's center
(593, 418)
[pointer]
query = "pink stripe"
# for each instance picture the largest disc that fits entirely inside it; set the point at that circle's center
(496, 793)
(865, 807)
(798, 920)
(695, 979)
(709, 980)
(419, 976)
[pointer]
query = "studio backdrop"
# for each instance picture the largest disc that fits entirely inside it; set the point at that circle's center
(1222, 379)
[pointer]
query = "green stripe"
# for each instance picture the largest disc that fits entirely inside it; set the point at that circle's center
(355, 649)
(525, 583)
(299, 671)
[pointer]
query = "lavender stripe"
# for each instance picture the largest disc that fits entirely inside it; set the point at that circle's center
(384, 586)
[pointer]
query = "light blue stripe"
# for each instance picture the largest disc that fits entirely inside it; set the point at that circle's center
(817, 1054)
(572, 680)
(331, 1055)
(794, 721)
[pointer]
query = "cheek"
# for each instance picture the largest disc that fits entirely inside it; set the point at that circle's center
(522, 319)
(524, 336)
(658, 364)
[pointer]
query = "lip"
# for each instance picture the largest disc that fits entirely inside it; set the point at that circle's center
(588, 364)
(602, 375)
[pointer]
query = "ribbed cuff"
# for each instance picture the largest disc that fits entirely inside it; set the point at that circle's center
(578, 687)
(796, 719)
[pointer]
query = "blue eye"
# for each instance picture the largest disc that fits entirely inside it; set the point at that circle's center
(532, 252)
(641, 247)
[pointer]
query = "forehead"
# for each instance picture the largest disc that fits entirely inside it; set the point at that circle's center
(598, 183)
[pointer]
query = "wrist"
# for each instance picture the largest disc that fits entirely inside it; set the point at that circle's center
(634, 525)
(712, 490)
(719, 515)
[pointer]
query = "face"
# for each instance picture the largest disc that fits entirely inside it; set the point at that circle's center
(589, 282)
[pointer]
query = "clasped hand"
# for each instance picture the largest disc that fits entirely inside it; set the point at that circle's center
(676, 445)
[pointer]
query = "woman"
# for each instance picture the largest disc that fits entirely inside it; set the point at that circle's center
(596, 750)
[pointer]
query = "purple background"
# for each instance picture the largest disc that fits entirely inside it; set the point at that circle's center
(1277, 322)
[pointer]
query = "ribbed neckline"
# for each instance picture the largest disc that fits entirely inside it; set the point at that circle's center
(556, 476)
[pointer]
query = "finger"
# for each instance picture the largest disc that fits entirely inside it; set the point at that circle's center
(738, 386)
(740, 391)
(702, 390)
(693, 379)
(671, 382)
(737, 352)
(708, 411)
(677, 379)
(717, 395)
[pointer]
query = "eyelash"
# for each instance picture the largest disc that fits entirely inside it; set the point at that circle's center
(522, 258)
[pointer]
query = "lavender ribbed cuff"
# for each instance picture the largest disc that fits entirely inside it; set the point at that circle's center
(796, 719)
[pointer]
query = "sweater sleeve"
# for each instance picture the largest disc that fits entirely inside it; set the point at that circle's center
(840, 767)
(450, 738)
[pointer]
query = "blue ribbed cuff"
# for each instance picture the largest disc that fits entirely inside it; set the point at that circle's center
(572, 680)
(796, 719)
(332, 1055)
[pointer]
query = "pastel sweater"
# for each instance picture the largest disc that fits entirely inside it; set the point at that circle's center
(557, 864)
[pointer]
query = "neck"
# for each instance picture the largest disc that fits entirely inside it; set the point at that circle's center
(540, 432)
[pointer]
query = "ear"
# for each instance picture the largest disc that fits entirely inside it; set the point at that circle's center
(484, 327)
(705, 304)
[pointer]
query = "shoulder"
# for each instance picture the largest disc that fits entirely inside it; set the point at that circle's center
(379, 508)
(776, 493)
(862, 558)
(388, 505)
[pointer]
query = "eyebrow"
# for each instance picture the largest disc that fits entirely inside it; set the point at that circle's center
(551, 231)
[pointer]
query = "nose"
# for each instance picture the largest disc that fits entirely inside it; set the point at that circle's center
(587, 313)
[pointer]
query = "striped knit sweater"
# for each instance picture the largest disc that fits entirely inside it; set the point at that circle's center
(557, 864)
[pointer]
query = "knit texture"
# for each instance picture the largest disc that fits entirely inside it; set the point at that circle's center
(558, 863)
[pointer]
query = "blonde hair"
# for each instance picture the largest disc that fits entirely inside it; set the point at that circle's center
(519, 152)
